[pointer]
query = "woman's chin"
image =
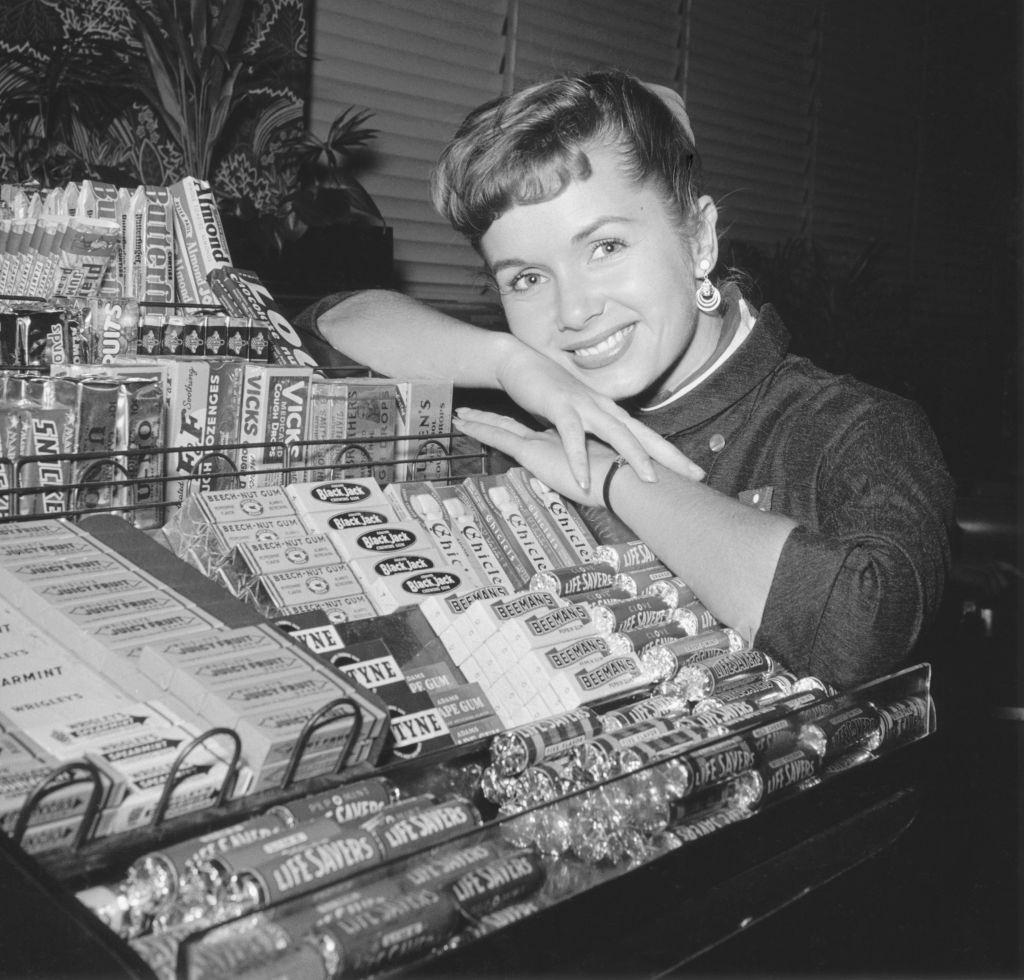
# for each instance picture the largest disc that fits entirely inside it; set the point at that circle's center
(616, 385)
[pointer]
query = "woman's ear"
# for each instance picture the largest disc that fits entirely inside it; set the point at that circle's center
(704, 242)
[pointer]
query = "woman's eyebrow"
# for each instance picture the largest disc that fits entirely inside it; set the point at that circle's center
(582, 235)
(511, 263)
(596, 225)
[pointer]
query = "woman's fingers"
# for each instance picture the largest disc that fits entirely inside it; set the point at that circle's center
(626, 436)
(606, 422)
(542, 453)
(574, 443)
(499, 431)
(478, 416)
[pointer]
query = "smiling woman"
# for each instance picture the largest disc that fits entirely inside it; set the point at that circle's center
(596, 280)
(807, 511)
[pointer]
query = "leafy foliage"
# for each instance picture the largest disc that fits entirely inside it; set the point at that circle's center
(311, 184)
(60, 64)
(328, 192)
(147, 91)
(144, 91)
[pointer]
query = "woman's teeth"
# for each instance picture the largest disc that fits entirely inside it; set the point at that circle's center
(604, 346)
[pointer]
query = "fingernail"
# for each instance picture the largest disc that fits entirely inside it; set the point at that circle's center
(584, 485)
(648, 475)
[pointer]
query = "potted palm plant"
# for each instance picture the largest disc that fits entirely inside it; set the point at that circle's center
(324, 231)
(294, 210)
(333, 233)
(191, 66)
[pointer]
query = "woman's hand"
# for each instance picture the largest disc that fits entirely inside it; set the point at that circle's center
(547, 390)
(542, 453)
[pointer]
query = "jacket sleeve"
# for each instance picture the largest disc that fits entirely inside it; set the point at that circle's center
(313, 341)
(851, 594)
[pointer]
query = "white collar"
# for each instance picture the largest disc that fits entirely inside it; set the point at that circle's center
(743, 327)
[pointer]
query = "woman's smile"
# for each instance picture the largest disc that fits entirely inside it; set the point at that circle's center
(605, 351)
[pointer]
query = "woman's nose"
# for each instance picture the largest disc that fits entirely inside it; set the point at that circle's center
(578, 303)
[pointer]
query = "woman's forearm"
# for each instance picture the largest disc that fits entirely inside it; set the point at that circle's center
(726, 551)
(396, 335)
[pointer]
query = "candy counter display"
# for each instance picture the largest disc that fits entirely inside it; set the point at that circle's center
(679, 732)
(439, 880)
(463, 846)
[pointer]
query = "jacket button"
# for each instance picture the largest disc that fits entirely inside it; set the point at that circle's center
(717, 442)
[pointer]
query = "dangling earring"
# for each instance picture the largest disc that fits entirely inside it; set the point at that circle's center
(708, 296)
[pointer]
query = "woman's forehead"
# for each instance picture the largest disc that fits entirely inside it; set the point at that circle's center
(579, 209)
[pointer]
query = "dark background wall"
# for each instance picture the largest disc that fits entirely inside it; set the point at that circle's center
(908, 274)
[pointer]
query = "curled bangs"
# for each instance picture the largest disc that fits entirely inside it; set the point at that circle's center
(473, 189)
(525, 177)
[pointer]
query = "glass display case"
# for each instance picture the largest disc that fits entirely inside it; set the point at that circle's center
(808, 792)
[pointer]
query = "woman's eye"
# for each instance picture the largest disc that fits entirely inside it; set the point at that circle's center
(524, 281)
(608, 247)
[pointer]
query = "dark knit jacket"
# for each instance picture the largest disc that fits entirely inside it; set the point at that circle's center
(861, 472)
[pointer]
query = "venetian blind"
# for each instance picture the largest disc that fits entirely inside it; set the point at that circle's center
(419, 66)
(642, 37)
(747, 80)
(747, 70)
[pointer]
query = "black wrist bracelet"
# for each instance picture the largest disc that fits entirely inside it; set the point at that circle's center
(617, 463)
